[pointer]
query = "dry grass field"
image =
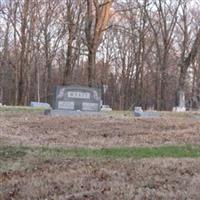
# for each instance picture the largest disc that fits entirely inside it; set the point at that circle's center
(115, 156)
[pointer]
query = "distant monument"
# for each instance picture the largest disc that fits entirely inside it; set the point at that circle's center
(180, 102)
(69, 99)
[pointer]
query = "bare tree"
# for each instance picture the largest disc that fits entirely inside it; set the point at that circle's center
(163, 26)
(45, 43)
(73, 20)
(52, 32)
(97, 17)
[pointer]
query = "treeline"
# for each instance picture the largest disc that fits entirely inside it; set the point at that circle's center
(138, 52)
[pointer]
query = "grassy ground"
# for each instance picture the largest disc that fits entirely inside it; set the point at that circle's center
(115, 156)
(20, 109)
(15, 152)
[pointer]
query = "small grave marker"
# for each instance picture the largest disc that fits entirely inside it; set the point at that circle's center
(39, 105)
(138, 112)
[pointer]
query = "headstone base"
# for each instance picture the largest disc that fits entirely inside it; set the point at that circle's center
(146, 114)
(62, 113)
(179, 109)
(138, 112)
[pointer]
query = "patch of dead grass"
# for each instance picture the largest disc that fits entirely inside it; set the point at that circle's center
(36, 129)
(105, 179)
(73, 178)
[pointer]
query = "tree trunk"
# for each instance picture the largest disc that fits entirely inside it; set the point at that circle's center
(91, 67)
(4, 63)
(23, 59)
(49, 85)
(157, 88)
(16, 73)
(68, 65)
(185, 63)
(38, 84)
(163, 83)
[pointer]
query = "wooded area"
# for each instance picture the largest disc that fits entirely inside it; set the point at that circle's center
(142, 52)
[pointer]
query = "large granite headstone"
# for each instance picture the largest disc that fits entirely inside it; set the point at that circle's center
(77, 98)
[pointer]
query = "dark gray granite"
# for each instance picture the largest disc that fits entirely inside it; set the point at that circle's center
(77, 98)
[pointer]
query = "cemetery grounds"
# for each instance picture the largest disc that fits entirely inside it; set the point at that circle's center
(113, 156)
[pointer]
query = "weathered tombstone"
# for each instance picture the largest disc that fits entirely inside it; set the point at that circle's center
(180, 102)
(68, 99)
(181, 99)
(138, 111)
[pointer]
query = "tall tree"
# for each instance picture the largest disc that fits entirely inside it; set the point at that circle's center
(97, 18)
(73, 24)
(22, 98)
(163, 24)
